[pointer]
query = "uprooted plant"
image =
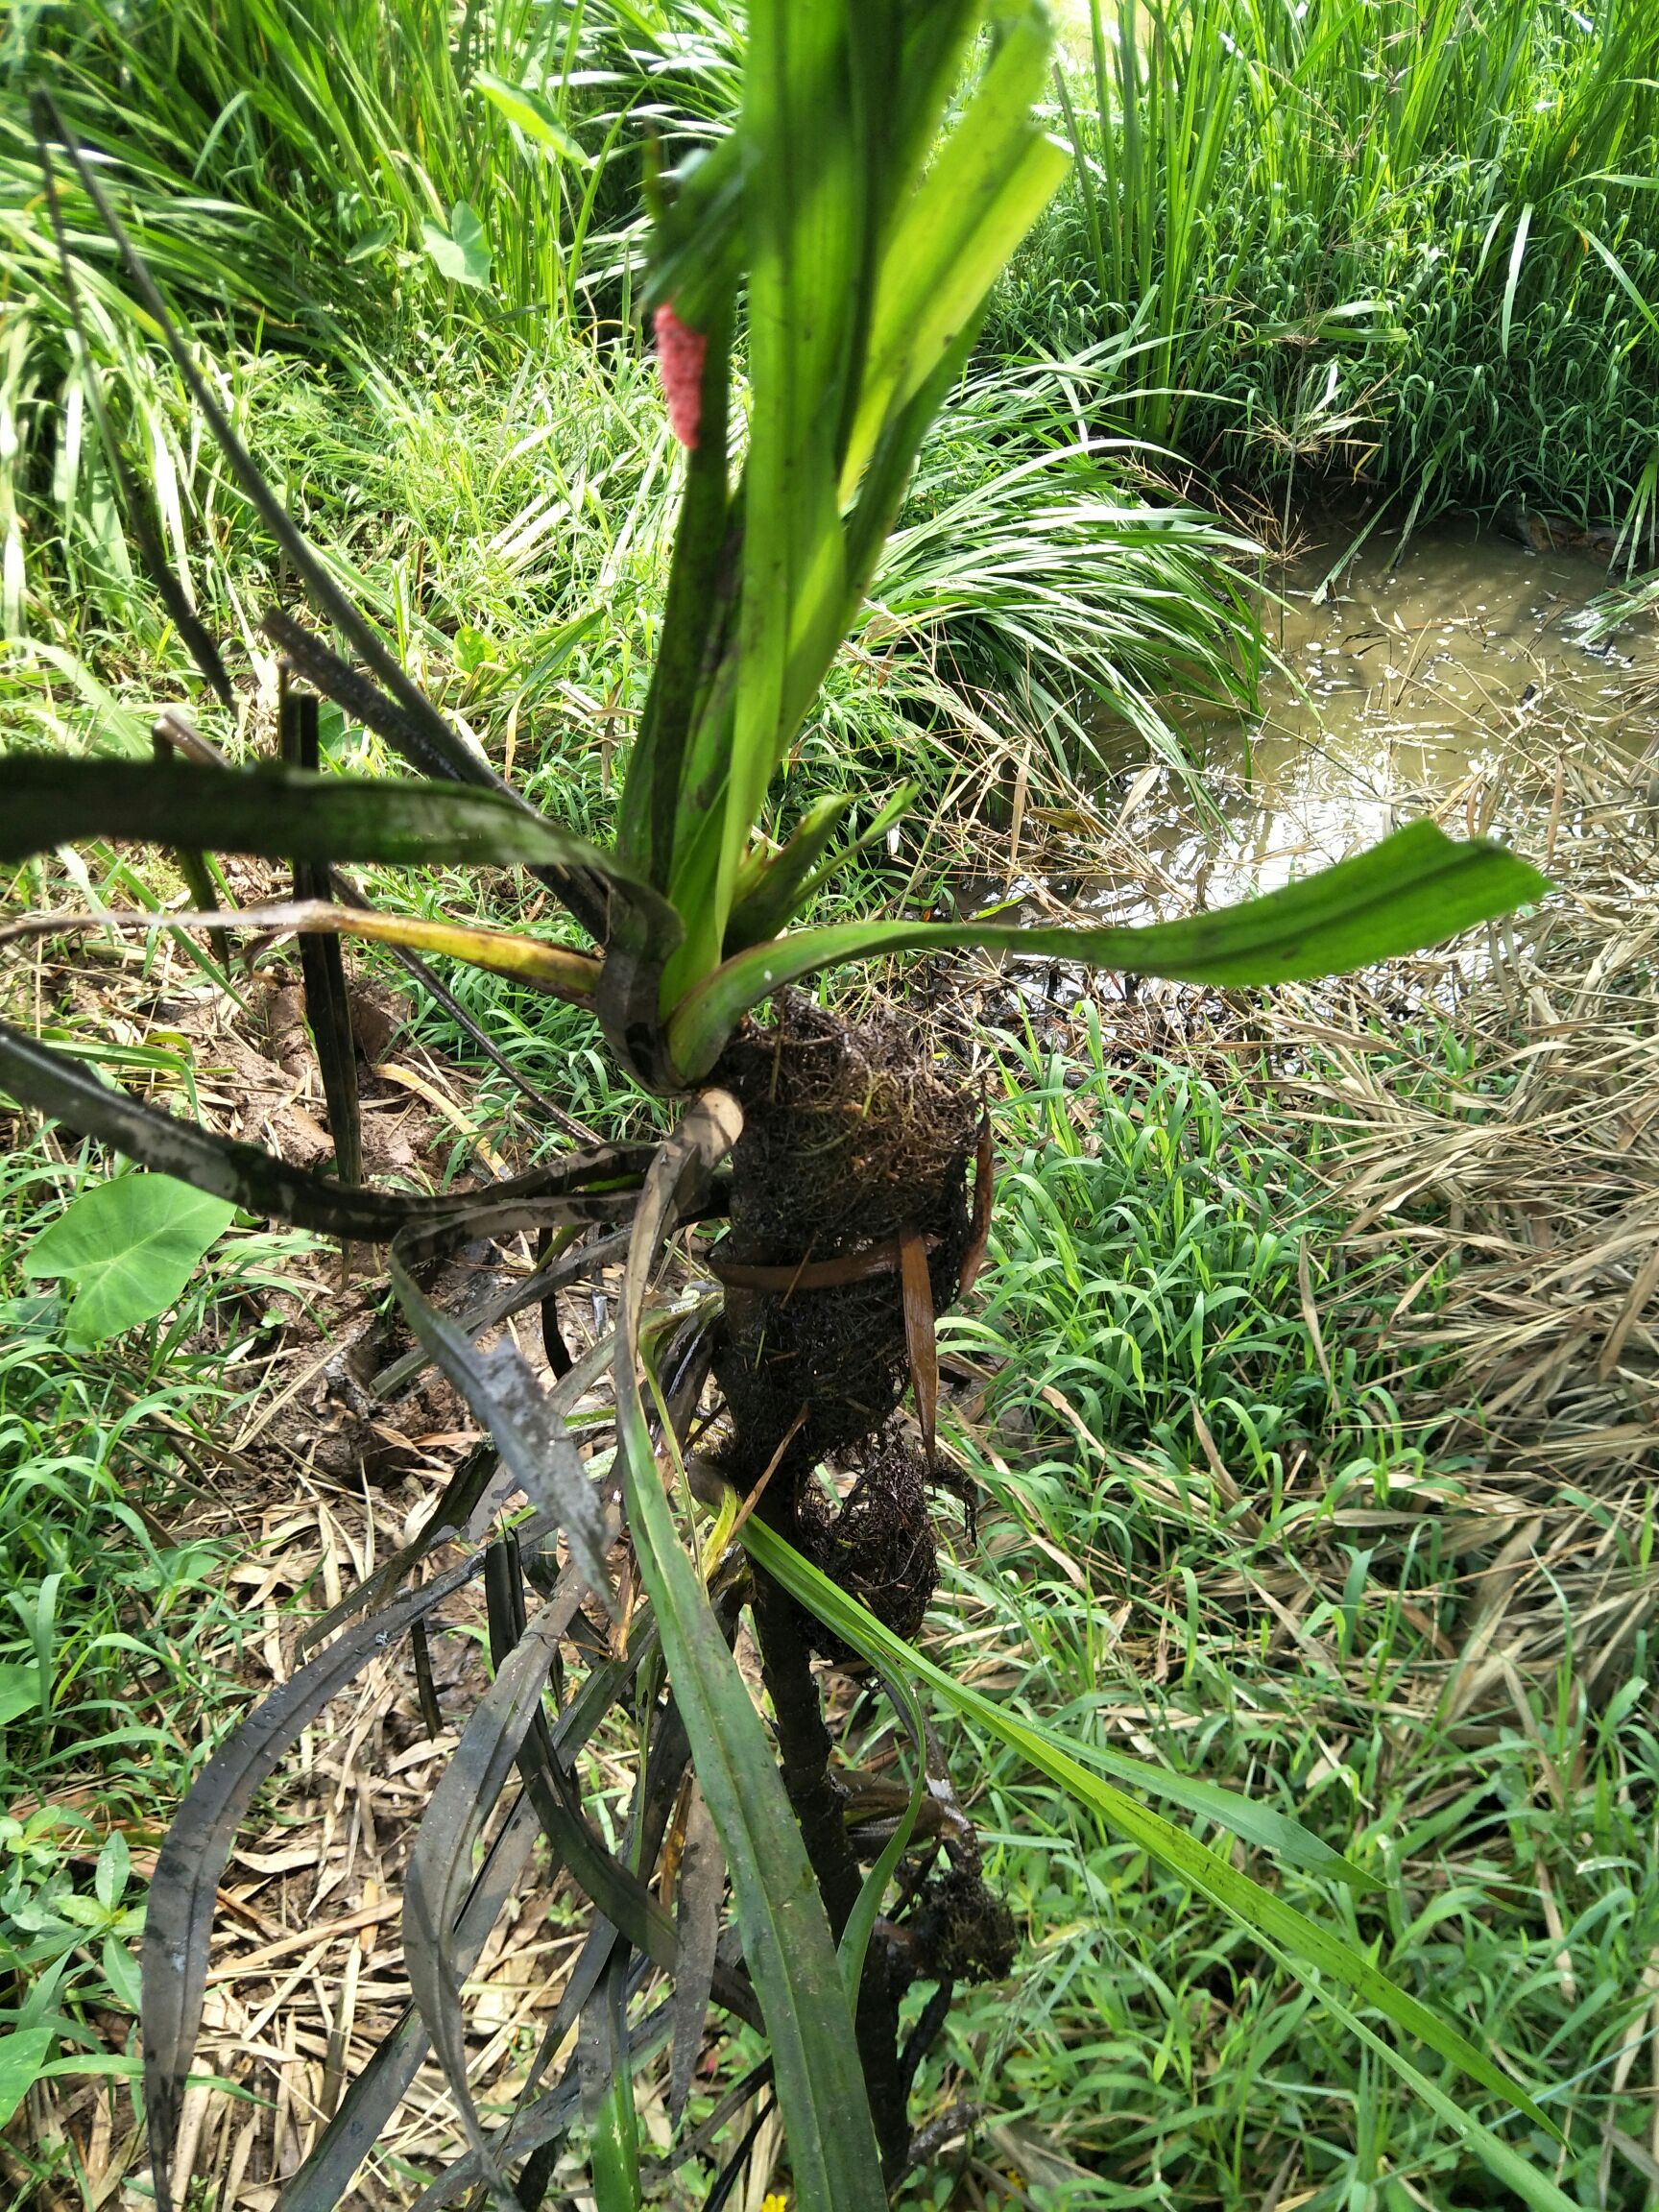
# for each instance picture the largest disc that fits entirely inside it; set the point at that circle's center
(885, 162)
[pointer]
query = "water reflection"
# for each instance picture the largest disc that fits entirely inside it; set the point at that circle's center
(1412, 671)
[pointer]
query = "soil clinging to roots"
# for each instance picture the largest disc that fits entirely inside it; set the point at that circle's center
(851, 1137)
(877, 1543)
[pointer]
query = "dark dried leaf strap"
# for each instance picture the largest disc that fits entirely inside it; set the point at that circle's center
(322, 961)
(184, 1886)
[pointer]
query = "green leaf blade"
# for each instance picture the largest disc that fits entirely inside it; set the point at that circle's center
(461, 251)
(290, 814)
(786, 1940)
(532, 116)
(1414, 889)
(129, 1247)
(1281, 1926)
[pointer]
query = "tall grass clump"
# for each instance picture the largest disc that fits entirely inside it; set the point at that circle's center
(409, 239)
(1415, 244)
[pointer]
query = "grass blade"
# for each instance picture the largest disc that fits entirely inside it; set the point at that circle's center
(1281, 1925)
(1517, 254)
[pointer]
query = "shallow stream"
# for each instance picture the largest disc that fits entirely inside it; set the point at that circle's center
(1413, 670)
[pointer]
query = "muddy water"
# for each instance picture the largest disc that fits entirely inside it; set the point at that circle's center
(1413, 670)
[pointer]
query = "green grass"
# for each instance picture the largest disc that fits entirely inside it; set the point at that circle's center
(114, 1602)
(487, 464)
(1416, 243)
(1146, 1258)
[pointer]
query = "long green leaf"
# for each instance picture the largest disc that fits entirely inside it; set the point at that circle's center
(1499, 2158)
(988, 185)
(1280, 1924)
(806, 213)
(1415, 888)
(786, 1938)
(861, 1920)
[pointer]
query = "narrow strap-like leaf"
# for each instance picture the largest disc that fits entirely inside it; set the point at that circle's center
(363, 699)
(697, 1901)
(794, 877)
(1255, 1907)
(318, 924)
(500, 1387)
(184, 1886)
(540, 2123)
(617, 1892)
(65, 1087)
(786, 1940)
(1417, 887)
(277, 814)
(704, 2135)
(374, 2095)
(439, 1861)
(501, 1305)
(173, 730)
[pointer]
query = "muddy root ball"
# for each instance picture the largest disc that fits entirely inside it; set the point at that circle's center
(963, 1932)
(851, 1137)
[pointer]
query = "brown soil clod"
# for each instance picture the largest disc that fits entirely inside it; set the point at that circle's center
(962, 1930)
